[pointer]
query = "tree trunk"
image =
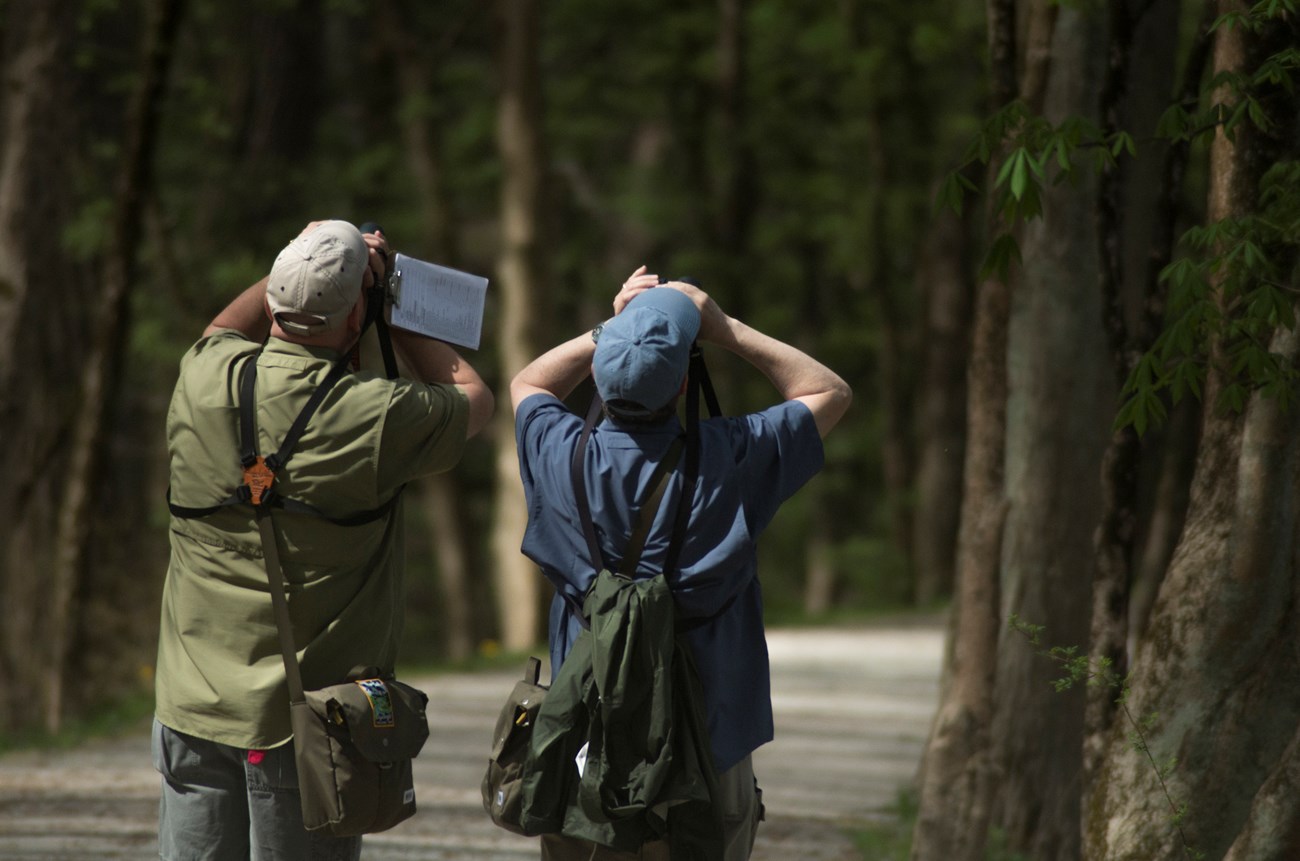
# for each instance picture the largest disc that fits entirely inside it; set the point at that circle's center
(1126, 226)
(737, 187)
(942, 273)
(36, 404)
(1178, 439)
(1058, 419)
(1213, 682)
(953, 813)
(439, 496)
(522, 300)
(103, 361)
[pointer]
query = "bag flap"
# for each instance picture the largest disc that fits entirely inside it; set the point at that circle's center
(384, 718)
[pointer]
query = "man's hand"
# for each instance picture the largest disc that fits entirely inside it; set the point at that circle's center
(639, 281)
(713, 321)
(377, 244)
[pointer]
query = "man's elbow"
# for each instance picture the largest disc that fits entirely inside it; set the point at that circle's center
(830, 406)
(482, 404)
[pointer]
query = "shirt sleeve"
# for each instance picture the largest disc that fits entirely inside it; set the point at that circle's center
(425, 429)
(543, 426)
(224, 342)
(546, 432)
(777, 452)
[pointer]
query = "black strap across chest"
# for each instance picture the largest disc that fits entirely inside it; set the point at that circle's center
(258, 488)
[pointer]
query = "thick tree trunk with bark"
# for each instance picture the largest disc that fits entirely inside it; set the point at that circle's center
(1138, 76)
(38, 338)
(522, 300)
(1214, 676)
(103, 360)
(953, 813)
(953, 816)
(943, 273)
(1058, 418)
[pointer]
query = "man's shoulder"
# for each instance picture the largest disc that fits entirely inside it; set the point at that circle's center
(789, 418)
(540, 413)
(216, 348)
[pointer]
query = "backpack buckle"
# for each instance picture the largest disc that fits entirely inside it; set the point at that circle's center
(258, 478)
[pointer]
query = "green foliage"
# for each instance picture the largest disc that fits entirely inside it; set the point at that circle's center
(1233, 288)
(1234, 284)
(126, 714)
(997, 848)
(1030, 153)
(890, 839)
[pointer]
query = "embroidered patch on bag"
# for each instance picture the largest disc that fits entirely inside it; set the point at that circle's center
(381, 705)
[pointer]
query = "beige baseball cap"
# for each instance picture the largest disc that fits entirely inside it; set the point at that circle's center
(317, 278)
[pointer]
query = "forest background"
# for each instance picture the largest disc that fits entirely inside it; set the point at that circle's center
(1052, 246)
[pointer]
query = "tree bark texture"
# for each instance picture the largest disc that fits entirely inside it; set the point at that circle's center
(1177, 440)
(953, 815)
(943, 274)
(1061, 397)
(1214, 675)
(1125, 227)
(522, 300)
(1216, 669)
(955, 781)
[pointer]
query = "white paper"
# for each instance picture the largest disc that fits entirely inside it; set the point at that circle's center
(581, 759)
(439, 302)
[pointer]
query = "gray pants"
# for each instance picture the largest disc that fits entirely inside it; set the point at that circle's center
(226, 804)
(739, 805)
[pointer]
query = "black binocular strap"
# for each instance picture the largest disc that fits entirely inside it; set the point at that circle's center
(248, 453)
(247, 426)
(375, 316)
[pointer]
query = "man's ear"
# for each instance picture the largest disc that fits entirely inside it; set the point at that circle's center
(357, 315)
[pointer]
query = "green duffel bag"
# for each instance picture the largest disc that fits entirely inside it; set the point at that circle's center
(353, 743)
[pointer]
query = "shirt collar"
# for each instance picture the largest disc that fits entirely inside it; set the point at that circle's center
(282, 347)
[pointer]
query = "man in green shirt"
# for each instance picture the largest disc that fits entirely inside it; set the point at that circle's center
(222, 740)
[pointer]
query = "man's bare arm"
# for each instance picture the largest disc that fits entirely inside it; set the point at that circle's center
(435, 362)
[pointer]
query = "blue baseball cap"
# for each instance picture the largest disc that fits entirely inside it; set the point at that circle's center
(644, 351)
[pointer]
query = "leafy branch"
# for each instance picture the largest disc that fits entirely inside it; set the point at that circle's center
(1094, 672)
(1234, 283)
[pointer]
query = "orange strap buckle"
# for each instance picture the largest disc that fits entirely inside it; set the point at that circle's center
(258, 477)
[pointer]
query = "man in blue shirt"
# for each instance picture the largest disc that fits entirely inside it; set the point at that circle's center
(749, 465)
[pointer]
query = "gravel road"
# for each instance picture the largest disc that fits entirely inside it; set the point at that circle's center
(853, 707)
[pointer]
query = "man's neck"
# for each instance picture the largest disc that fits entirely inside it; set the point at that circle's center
(338, 341)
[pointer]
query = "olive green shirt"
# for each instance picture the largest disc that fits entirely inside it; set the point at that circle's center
(220, 675)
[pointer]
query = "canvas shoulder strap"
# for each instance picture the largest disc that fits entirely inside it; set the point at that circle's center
(699, 385)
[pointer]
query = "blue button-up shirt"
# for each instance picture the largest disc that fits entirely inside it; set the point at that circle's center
(749, 465)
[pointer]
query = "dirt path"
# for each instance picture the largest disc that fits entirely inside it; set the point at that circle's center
(852, 710)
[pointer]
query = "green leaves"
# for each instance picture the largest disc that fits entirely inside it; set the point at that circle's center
(1233, 288)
